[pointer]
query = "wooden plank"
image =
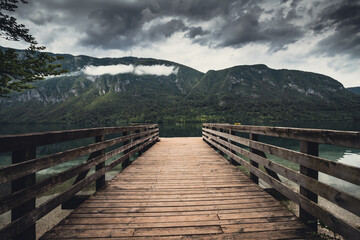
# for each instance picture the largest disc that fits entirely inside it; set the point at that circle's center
(175, 209)
(271, 226)
(243, 211)
(151, 222)
(117, 203)
(151, 219)
(178, 231)
(270, 235)
(120, 232)
(341, 138)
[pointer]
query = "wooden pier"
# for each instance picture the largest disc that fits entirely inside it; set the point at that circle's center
(181, 189)
(177, 188)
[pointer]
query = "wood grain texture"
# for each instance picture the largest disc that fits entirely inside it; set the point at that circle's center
(180, 189)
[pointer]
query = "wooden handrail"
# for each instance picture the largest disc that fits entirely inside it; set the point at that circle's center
(223, 137)
(21, 202)
(15, 171)
(333, 137)
(21, 141)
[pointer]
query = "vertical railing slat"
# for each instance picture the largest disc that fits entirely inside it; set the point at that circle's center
(310, 148)
(19, 156)
(100, 182)
(253, 177)
(126, 162)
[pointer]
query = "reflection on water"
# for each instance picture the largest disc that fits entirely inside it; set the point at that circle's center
(350, 158)
(334, 153)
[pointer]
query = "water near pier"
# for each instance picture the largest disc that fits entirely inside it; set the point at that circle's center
(334, 153)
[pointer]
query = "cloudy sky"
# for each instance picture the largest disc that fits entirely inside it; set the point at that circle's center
(320, 36)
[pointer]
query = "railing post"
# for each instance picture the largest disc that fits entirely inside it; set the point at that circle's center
(212, 146)
(126, 162)
(221, 152)
(19, 156)
(253, 177)
(100, 182)
(232, 161)
(310, 148)
(144, 136)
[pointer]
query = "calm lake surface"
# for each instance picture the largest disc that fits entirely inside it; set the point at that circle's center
(334, 153)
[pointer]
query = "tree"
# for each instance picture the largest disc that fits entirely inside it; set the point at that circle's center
(18, 70)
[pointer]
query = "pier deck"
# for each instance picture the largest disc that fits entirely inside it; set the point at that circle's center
(180, 189)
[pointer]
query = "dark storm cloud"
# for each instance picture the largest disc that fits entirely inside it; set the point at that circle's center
(344, 20)
(196, 31)
(124, 24)
(167, 29)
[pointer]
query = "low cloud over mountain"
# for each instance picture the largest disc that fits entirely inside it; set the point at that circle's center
(158, 70)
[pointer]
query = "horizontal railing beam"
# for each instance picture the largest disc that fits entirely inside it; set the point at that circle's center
(341, 138)
(15, 171)
(12, 142)
(343, 171)
(340, 198)
(10, 201)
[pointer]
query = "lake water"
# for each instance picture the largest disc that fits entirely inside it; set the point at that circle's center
(334, 153)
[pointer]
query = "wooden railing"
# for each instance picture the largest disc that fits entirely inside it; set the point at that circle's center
(21, 173)
(226, 139)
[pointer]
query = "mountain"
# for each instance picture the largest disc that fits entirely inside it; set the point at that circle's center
(150, 90)
(258, 92)
(79, 97)
(355, 90)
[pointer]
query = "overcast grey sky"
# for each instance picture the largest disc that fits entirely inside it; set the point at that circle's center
(320, 36)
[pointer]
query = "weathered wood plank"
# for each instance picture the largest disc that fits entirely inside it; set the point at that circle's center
(181, 193)
(242, 211)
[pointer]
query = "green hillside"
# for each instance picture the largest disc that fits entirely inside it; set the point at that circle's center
(241, 93)
(257, 92)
